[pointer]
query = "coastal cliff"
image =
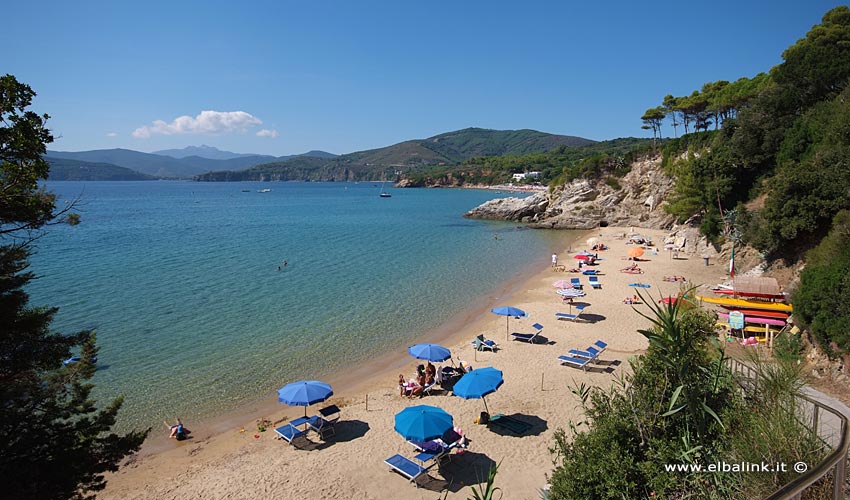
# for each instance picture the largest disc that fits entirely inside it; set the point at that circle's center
(635, 199)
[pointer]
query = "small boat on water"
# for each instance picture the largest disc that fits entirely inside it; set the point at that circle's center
(267, 190)
(383, 193)
(76, 359)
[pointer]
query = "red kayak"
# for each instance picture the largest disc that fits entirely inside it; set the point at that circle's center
(759, 312)
(775, 296)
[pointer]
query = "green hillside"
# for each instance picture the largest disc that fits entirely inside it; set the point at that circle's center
(62, 169)
(405, 158)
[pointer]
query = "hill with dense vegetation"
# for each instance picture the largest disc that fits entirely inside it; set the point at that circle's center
(62, 169)
(774, 172)
(406, 158)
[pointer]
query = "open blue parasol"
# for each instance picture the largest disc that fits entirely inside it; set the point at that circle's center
(508, 311)
(431, 352)
(423, 422)
(479, 383)
(304, 393)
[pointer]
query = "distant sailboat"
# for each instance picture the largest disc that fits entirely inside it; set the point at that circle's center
(384, 194)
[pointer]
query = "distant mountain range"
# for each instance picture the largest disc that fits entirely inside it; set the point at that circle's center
(207, 163)
(170, 167)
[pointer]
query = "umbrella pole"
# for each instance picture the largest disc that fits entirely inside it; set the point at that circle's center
(485, 405)
(507, 326)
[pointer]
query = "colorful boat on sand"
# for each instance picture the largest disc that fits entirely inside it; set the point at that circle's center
(748, 304)
(761, 313)
(755, 295)
(757, 320)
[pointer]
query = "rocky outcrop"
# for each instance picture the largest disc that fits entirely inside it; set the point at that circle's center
(637, 199)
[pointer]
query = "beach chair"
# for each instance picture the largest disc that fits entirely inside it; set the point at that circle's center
(482, 344)
(330, 414)
(572, 317)
(427, 388)
(591, 354)
(518, 427)
(431, 453)
(574, 362)
(576, 282)
(406, 467)
(321, 426)
(290, 434)
(594, 282)
(529, 337)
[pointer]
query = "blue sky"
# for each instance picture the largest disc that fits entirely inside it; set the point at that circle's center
(345, 76)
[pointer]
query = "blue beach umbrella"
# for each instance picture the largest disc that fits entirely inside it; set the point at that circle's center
(423, 422)
(304, 393)
(479, 383)
(431, 352)
(507, 312)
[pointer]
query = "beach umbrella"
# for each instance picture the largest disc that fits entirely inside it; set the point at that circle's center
(581, 256)
(422, 422)
(304, 393)
(635, 252)
(570, 292)
(668, 300)
(508, 311)
(562, 284)
(479, 383)
(431, 352)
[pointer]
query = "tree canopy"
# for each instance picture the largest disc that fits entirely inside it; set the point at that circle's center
(54, 441)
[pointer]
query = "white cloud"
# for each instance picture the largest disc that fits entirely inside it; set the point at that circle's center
(112, 134)
(208, 122)
(267, 133)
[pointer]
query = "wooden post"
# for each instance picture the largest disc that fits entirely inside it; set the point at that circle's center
(367, 401)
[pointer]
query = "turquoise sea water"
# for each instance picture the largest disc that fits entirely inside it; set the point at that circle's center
(181, 281)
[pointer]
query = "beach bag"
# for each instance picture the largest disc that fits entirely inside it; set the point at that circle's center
(483, 418)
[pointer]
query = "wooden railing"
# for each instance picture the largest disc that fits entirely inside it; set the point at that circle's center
(827, 423)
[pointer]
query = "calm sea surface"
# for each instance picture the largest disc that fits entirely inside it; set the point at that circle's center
(181, 281)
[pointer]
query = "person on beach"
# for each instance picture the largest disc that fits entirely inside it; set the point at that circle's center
(403, 387)
(554, 259)
(430, 371)
(177, 431)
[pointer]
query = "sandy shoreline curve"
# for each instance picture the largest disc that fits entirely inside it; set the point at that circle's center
(226, 461)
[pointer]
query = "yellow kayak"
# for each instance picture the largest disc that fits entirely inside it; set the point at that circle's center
(748, 304)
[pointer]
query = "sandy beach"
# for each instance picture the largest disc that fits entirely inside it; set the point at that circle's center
(232, 463)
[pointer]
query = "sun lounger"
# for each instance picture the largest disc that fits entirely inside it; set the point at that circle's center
(518, 427)
(406, 467)
(529, 337)
(321, 426)
(432, 453)
(600, 345)
(330, 414)
(290, 433)
(594, 282)
(591, 354)
(576, 282)
(574, 362)
(427, 388)
(482, 344)
(572, 317)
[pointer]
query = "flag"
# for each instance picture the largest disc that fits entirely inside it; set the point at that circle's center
(732, 263)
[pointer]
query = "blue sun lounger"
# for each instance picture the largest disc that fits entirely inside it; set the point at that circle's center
(574, 362)
(594, 282)
(576, 282)
(572, 317)
(591, 354)
(406, 467)
(529, 337)
(290, 433)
